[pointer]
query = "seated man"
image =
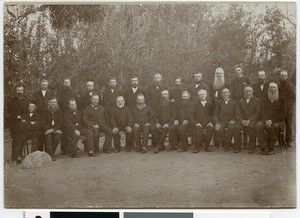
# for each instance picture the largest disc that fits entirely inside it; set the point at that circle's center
(164, 120)
(52, 123)
(203, 118)
(224, 117)
(274, 110)
(30, 129)
(95, 118)
(247, 113)
(143, 122)
(122, 121)
(186, 120)
(74, 129)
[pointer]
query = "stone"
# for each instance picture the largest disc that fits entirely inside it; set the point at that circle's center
(36, 159)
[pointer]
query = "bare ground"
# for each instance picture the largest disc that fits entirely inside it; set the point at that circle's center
(164, 180)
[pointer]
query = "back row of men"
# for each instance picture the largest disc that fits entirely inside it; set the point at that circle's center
(50, 118)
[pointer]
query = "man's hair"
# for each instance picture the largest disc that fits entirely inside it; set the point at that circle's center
(112, 78)
(165, 90)
(71, 99)
(140, 95)
(238, 66)
(227, 89)
(273, 84)
(19, 85)
(134, 76)
(185, 91)
(178, 77)
(202, 90)
(248, 86)
(120, 96)
(284, 71)
(94, 94)
(198, 72)
(261, 71)
(67, 78)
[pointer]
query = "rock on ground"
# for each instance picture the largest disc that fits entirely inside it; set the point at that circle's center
(36, 159)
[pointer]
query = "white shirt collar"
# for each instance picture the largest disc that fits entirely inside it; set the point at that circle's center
(134, 89)
(44, 92)
(30, 114)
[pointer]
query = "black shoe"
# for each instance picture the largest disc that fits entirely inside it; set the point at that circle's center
(196, 150)
(271, 152)
(156, 150)
(92, 154)
(162, 147)
(78, 149)
(227, 149)
(117, 150)
(208, 149)
(74, 155)
(289, 144)
(19, 160)
(138, 149)
(251, 151)
(127, 148)
(237, 150)
(182, 149)
(264, 152)
(144, 150)
(107, 151)
(53, 157)
(171, 148)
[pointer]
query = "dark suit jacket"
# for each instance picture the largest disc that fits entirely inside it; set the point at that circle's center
(72, 122)
(57, 117)
(121, 118)
(42, 102)
(224, 112)
(17, 107)
(63, 97)
(203, 114)
(130, 97)
(167, 114)
(261, 94)
(186, 112)
(175, 94)
(92, 116)
(143, 116)
(275, 111)
(194, 91)
(27, 126)
(109, 99)
(248, 111)
(154, 95)
(288, 92)
(237, 87)
(85, 100)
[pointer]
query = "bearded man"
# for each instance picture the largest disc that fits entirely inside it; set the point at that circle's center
(218, 84)
(261, 86)
(122, 121)
(274, 110)
(164, 121)
(52, 124)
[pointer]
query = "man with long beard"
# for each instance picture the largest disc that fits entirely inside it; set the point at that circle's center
(122, 121)
(176, 91)
(218, 84)
(261, 86)
(185, 120)
(273, 114)
(164, 121)
(52, 124)
(74, 129)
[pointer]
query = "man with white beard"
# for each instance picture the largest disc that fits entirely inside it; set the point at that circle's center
(273, 113)
(218, 84)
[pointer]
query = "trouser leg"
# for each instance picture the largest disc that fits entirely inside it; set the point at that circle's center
(272, 135)
(73, 145)
(173, 135)
(96, 136)
(117, 140)
(183, 130)
(146, 132)
(49, 146)
(238, 136)
(289, 127)
(208, 136)
(259, 128)
(108, 138)
(128, 136)
(64, 145)
(198, 136)
(89, 139)
(252, 136)
(55, 140)
(137, 136)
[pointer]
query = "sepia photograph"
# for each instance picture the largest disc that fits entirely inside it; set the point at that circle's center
(149, 105)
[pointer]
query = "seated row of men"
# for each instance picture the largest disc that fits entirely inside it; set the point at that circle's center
(226, 118)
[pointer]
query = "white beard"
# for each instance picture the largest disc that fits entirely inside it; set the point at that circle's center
(219, 83)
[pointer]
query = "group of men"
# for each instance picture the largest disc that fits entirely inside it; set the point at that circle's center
(234, 112)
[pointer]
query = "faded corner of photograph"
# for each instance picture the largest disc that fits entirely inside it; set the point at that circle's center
(161, 105)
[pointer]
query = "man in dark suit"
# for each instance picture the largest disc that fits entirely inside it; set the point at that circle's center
(30, 129)
(95, 118)
(52, 124)
(203, 118)
(261, 86)
(143, 122)
(288, 92)
(153, 92)
(110, 95)
(238, 83)
(247, 114)
(74, 129)
(194, 89)
(219, 83)
(185, 120)
(16, 108)
(164, 121)
(85, 99)
(122, 121)
(176, 91)
(131, 93)
(224, 118)
(273, 113)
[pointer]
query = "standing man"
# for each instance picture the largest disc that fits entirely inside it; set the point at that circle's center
(198, 84)
(261, 86)
(273, 114)
(247, 114)
(122, 121)
(52, 124)
(287, 91)
(30, 129)
(224, 118)
(143, 122)
(176, 91)
(110, 95)
(94, 118)
(85, 99)
(238, 83)
(74, 129)
(218, 84)
(131, 93)
(185, 120)
(164, 121)
(203, 118)
(63, 96)
(16, 108)
(154, 91)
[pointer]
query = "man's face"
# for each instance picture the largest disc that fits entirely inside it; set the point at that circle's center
(44, 85)
(120, 102)
(184, 96)
(248, 91)
(165, 94)
(112, 83)
(261, 75)
(283, 76)
(53, 103)
(67, 83)
(90, 86)
(20, 90)
(177, 82)
(134, 82)
(157, 78)
(72, 105)
(202, 95)
(273, 88)
(225, 94)
(238, 71)
(140, 99)
(31, 108)
(198, 77)
(218, 74)
(95, 100)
